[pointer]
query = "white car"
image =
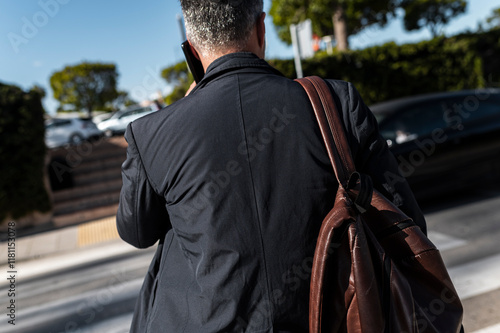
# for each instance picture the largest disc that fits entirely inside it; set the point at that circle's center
(118, 122)
(69, 131)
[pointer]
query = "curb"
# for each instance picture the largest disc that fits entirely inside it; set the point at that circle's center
(60, 240)
(30, 269)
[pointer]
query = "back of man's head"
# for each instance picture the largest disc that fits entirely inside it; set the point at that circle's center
(218, 26)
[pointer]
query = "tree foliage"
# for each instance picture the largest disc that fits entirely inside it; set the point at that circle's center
(494, 19)
(85, 86)
(432, 14)
(357, 15)
(22, 152)
(180, 78)
(123, 100)
(464, 61)
(353, 16)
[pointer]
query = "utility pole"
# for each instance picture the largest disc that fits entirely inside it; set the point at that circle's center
(302, 43)
(296, 51)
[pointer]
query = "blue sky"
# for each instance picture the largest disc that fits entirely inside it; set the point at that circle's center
(39, 37)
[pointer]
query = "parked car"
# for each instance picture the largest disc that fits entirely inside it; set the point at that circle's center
(101, 117)
(444, 141)
(64, 131)
(117, 123)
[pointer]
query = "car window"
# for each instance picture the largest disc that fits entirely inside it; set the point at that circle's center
(141, 110)
(58, 123)
(116, 115)
(134, 112)
(126, 114)
(474, 109)
(63, 123)
(414, 122)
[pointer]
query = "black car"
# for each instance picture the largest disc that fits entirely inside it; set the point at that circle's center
(444, 141)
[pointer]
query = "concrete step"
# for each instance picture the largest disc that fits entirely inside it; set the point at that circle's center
(87, 203)
(83, 191)
(86, 148)
(89, 178)
(94, 159)
(78, 158)
(89, 151)
(110, 162)
(85, 215)
(95, 168)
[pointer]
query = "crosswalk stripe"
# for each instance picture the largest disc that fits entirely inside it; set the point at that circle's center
(476, 277)
(120, 324)
(69, 259)
(445, 242)
(491, 329)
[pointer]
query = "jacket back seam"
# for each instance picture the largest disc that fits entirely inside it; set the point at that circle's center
(256, 208)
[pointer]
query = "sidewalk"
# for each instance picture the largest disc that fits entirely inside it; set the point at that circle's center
(61, 240)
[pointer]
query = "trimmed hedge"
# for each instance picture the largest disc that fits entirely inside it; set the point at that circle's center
(22, 152)
(380, 73)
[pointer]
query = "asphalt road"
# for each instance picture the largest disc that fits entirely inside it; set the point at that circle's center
(91, 297)
(466, 228)
(99, 296)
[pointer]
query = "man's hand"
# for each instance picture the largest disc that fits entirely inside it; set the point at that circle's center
(191, 87)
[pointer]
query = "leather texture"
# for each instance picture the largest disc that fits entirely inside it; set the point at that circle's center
(374, 270)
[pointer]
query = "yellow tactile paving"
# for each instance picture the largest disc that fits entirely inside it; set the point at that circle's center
(97, 231)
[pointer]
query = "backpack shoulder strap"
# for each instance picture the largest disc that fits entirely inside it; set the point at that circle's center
(332, 130)
(330, 124)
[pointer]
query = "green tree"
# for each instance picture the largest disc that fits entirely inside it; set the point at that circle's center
(39, 90)
(432, 14)
(123, 100)
(85, 86)
(494, 19)
(179, 76)
(342, 17)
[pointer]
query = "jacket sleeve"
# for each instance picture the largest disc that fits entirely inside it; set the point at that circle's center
(373, 157)
(142, 218)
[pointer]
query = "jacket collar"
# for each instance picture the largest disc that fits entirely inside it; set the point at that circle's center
(240, 62)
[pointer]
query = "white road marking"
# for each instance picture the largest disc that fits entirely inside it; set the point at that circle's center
(65, 308)
(445, 242)
(477, 277)
(119, 324)
(491, 329)
(37, 267)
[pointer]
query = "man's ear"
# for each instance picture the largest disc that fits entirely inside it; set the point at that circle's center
(197, 56)
(261, 30)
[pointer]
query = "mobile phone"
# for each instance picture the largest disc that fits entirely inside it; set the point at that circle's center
(193, 63)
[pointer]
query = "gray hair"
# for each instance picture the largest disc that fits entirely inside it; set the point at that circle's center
(220, 25)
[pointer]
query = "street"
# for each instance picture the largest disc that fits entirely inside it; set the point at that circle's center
(466, 227)
(90, 297)
(99, 296)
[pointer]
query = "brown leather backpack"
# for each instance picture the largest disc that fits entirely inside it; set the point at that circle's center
(374, 270)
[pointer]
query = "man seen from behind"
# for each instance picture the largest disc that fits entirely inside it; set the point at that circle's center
(234, 181)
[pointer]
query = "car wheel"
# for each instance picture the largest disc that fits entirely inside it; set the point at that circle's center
(76, 139)
(108, 133)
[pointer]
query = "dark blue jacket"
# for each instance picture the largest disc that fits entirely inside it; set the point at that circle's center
(234, 181)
